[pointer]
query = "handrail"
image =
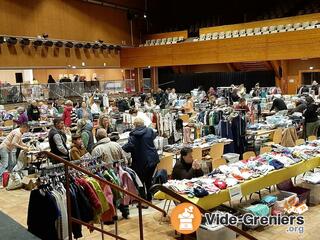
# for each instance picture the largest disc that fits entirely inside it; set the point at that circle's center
(203, 211)
(68, 164)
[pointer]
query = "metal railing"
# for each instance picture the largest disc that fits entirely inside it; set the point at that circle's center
(69, 165)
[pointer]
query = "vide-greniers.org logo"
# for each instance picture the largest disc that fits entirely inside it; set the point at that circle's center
(250, 219)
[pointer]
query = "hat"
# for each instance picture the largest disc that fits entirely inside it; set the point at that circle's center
(75, 137)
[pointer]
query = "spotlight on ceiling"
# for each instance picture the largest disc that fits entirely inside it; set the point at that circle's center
(48, 43)
(145, 15)
(96, 46)
(104, 46)
(12, 41)
(2, 39)
(69, 44)
(37, 43)
(78, 45)
(25, 41)
(111, 47)
(45, 35)
(87, 45)
(58, 44)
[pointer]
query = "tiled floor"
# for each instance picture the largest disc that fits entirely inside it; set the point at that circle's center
(15, 204)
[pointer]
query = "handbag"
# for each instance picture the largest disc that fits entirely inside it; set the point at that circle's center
(15, 181)
(5, 179)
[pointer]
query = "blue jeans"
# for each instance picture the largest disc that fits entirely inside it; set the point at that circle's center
(8, 160)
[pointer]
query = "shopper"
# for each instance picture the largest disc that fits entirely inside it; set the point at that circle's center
(173, 97)
(186, 168)
(58, 139)
(242, 105)
(105, 148)
(164, 99)
(33, 111)
(201, 94)
(22, 116)
(84, 109)
(69, 116)
(149, 104)
(84, 130)
(51, 80)
(188, 106)
(77, 150)
(144, 154)
(301, 106)
(105, 123)
(311, 117)
(95, 109)
(278, 105)
(211, 92)
(138, 114)
(9, 147)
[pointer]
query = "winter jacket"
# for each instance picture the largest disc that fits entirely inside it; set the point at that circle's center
(87, 137)
(110, 151)
(33, 113)
(182, 170)
(140, 145)
(66, 117)
(76, 153)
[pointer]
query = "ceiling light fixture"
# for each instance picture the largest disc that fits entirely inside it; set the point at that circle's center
(25, 41)
(48, 43)
(69, 44)
(12, 41)
(58, 44)
(87, 45)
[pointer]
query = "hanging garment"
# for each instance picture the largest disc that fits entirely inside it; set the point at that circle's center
(127, 184)
(225, 131)
(238, 126)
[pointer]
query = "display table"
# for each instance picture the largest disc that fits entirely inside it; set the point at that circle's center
(252, 185)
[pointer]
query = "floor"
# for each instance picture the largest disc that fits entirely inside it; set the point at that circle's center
(15, 204)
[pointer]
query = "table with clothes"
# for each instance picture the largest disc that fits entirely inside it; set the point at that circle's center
(251, 175)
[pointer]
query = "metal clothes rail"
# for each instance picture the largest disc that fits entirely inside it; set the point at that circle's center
(71, 220)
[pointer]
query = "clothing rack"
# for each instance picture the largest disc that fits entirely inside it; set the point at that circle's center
(71, 220)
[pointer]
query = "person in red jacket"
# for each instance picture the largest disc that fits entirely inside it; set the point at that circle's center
(66, 117)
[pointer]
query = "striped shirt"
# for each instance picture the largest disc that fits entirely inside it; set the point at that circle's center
(15, 136)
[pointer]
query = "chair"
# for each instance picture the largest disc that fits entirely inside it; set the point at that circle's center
(273, 29)
(265, 150)
(153, 42)
(276, 137)
(202, 37)
(158, 41)
(257, 31)
(300, 141)
(312, 25)
(197, 153)
(148, 43)
(174, 40)
(242, 33)
(218, 162)
(185, 117)
(169, 40)
(8, 123)
(215, 36)
(281, 28)
(249, 32)
(235, 33)
(216, 151)
(289, 27)
(265, 30)
(163, 41)
(166, 163)
(305, 25)
(297, 26)
(221, 35)
(228, 34)
(302, 193)
(180, 39)
(247, 155)
(208, 36)
(312, 138)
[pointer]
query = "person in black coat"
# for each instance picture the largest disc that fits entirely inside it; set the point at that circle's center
(143, 152)
(33, 111)
(186, 168)
(278, 105)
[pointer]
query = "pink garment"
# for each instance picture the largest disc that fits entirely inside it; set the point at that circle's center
(66, 117)
(127, 184)
(108, 215)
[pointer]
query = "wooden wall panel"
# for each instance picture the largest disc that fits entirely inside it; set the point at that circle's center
(288, 45)
(65, 19)
(30, 57)
(167, 35)
(274, 22)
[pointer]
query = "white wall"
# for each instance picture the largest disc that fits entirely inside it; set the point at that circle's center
(9, 76)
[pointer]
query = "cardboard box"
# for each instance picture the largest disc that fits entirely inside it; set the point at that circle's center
(314, 192)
